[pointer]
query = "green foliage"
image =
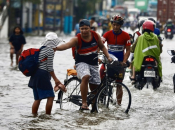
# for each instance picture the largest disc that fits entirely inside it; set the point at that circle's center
(86, 7)
(33, 1)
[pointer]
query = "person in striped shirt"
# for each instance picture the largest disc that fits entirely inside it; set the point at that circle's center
(40, 81)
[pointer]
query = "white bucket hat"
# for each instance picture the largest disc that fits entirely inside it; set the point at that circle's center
(51, 40)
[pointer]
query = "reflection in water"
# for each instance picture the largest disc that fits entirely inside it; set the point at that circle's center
(149, 109)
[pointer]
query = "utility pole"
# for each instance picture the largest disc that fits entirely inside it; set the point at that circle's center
(61, 18)
(54, 17)
(44, 11)
(38, 18)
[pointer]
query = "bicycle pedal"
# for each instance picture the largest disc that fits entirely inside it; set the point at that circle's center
(57, 101)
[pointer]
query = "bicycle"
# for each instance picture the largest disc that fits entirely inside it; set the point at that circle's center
(103, 98)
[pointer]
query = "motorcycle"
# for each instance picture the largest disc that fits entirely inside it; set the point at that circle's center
(172, 53)
(148, 74)
(169, 33)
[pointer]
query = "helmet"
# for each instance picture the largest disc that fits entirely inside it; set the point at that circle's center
(148, 25)
(152, 20)
(169, 20)
(140, 23)
(117, 19)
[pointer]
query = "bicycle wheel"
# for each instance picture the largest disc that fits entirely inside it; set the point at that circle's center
(115, 99)
(73, 89)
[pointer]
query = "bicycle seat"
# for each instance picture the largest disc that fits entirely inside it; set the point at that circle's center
(72, 72)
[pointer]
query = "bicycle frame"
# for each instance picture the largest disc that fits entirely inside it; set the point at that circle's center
(91, 96)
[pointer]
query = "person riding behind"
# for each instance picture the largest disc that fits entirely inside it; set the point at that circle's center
(135, 37)
(87, 43)
(147, 44)
(118, 42)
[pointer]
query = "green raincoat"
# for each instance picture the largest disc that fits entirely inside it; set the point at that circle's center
(147, 44)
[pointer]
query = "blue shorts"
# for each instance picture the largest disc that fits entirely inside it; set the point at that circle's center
(41, 85)
(119, 55)
(42, 94)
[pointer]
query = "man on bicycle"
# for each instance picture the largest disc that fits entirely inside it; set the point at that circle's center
(87, 43)
(118, 42)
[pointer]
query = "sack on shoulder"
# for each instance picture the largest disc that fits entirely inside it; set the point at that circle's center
(29, 61)
(115, 70)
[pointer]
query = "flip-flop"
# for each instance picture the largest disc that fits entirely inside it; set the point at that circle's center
(133, 82)
(84, 108)
(132, 79)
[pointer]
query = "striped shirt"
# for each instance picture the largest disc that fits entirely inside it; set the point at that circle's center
(48, 64)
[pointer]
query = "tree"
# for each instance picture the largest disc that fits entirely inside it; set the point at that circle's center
(33, 1)
(84, 7)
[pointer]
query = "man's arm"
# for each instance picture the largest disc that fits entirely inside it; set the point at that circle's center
(126, 54)
(73, 42)
(103, 48)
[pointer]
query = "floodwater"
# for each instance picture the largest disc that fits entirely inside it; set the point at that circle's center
(150, 110)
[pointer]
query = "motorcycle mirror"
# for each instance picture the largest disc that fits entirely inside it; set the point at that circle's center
(171, 52)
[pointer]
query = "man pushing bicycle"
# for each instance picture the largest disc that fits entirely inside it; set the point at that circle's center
(118, 42)
(87, 43)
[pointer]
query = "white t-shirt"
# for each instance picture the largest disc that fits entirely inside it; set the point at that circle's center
(95, 25)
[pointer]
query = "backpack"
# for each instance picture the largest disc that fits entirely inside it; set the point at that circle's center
(28, 61)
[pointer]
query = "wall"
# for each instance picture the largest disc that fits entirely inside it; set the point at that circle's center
(165, 10)
(4, 29)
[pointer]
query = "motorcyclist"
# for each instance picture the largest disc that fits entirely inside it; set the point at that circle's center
(156, 30)
(147, 44)
(169, 24)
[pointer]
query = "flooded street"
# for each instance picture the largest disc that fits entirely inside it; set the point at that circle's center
(150, 110)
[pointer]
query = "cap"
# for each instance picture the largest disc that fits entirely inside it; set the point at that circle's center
(51, 40)
(84, 22)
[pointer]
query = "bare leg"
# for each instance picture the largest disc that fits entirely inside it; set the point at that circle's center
(49, 105)
(11, 56)
(35, 106)
(17, 56)
(133, 73)
(84, 89)
(119, 94)
(93, 87)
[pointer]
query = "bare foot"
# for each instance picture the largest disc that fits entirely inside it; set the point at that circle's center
(11, 64)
